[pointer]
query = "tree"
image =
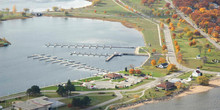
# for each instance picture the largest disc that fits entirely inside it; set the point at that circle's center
(190, 43)
(33, 91)
(137, 71)
(7, 9)
(167, 12)
(86, 101)
(153, 50)
(69, 87)
(1, 15)
(95, 11)
(178, 24)
(189, 34)
(196, 32)
(23, 14)
(175, 43)
(167, 5)
(172, 67)
(168, 20)
(215, 34)
(61, 91)
(55, 8)
(161, 60)
(174, 16)
(186, 29)
(66, 13)
(209, 50)
(161, 25)
(153, 62)
(26, 10)
(202, 80)
(131, 71)
(179, 57)
(77, 102)
(14, 9)
(172, 29)
(95, 2)
(178, 85)
(164, 47)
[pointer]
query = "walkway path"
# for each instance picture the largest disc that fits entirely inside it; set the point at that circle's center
(194, 25)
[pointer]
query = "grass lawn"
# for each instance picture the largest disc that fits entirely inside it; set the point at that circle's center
(118, 80)
(185, 75)
(95, 99)
(91, 79)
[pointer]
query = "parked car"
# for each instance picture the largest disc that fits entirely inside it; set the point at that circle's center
(162, 65)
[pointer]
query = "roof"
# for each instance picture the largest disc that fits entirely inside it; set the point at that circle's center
(166, 85)
(33, 103)
(113, 75)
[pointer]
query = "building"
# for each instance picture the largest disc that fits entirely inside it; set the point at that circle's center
(113, 76)
(41, 103)
(197, 73)
(166, 85)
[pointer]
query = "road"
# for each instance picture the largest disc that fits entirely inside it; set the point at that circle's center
(181, 14)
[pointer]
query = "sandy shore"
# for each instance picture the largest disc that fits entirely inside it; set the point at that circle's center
(193, 90)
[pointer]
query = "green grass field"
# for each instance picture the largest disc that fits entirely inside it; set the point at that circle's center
(95, 99)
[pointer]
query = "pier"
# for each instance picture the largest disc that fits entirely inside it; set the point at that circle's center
(109, 57)
(65, 62)
(87, 46)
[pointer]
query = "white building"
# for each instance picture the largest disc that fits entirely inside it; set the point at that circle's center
(41, 103)
(197, 73)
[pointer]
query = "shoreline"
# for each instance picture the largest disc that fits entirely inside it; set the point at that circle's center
(192, 90)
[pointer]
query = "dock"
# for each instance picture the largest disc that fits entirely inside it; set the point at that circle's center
(87, 46)
(65, 62)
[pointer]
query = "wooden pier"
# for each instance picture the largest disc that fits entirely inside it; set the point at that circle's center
(88, 46)
(65, 62)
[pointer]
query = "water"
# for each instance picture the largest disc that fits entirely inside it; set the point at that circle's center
(202, 101)
(42, 5)
(29, 36)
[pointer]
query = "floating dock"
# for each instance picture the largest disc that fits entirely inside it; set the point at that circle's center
(88, 46)
(65, 62)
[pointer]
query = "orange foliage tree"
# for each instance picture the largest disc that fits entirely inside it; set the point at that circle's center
(131, 71)
(161, 60)
(174, 16)
(153, 62)
(164, 47)
(172, 67)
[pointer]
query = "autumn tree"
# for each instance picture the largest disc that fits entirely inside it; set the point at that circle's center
(164, 47)
(168, 20)
(131, 71)
(167, 5)
(178, 24)
(14, 9)
(153, 62)
(179, 85)
(196, 32)
(172, 29)
(161, 25)
(153, 50)
(186, 29)
(215, 34)
(172, 68)
(167, 12)
(174, 16)
(162, 60)
(189, 34)
(137, 71)
(202, 80)
(175, 43)
(179, 57)
(209, 50)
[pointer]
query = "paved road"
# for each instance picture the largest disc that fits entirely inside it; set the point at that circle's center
(194, 25)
